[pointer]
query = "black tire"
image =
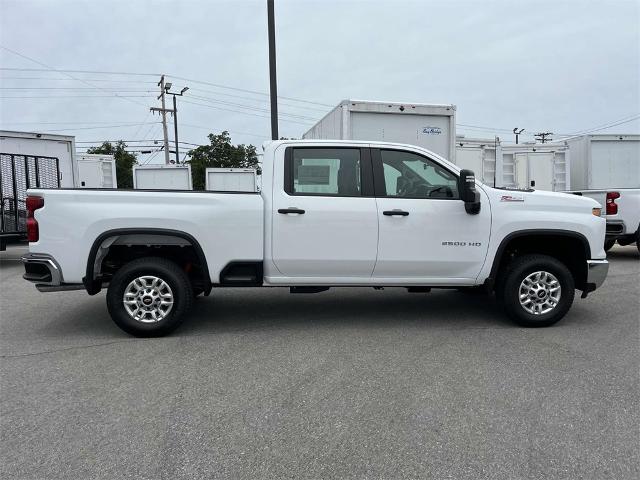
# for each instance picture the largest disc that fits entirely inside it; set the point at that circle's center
(163, 269)
(608, 244)
(508, 292)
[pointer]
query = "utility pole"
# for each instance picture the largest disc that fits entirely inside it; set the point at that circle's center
(542, 136)
(272, 70)
(163, 111)
(517, 133)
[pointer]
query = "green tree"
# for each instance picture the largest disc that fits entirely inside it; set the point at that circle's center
(220, 153)
(124, 161)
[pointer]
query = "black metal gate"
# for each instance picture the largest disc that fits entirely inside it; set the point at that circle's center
(17, 174)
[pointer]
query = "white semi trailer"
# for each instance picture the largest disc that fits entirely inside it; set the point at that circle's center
(428, 126)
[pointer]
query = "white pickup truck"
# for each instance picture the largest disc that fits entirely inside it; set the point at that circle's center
(330, 214)
(622, 212)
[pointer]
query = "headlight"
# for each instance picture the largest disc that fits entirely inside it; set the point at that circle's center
(597, 211)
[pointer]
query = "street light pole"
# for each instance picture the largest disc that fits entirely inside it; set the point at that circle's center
(175, 116)
(175, 128)
(272, 70)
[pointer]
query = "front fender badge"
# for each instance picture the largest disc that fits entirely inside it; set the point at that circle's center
(512, 198)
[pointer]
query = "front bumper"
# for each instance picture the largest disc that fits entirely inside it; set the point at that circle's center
(596, 273)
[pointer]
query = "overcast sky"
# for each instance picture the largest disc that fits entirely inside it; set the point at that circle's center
(561, 66)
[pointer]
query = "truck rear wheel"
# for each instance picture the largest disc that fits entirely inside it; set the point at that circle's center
(149, 297)
(537, 290)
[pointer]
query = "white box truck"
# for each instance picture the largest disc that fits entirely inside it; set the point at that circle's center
(606, 168)
(231, 180)
(428, 126)
(96, 171)
(162, 177)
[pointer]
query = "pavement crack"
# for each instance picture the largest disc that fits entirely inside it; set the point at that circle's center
(80, 347)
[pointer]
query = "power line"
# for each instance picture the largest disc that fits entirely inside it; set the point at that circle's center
(255, 92)
(227, 87)
(78, 88)
(211, 129)
(250, 107)
(63, 73)
(80, 96)
(69, 80)
(48, 69)
(597, 128)
(92, 128)
(244, 113)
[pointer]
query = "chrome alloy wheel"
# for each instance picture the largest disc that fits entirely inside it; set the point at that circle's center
(539, 293)
(148, 299)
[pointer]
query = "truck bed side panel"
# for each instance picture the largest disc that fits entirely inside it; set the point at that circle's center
(228, 227)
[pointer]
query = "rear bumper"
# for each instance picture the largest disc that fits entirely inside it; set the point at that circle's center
(41, 269)
(596, 273)
(615, 228)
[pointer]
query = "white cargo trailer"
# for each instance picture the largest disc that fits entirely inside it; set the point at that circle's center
(231, 180)
(541, 166)
(30, 160)
(162, 177)
(601, 162)
(96, 171)
(59, 147)
(479, 155)
(427, 125)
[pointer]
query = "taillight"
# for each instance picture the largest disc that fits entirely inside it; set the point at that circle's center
(33, 204)
(612, 206)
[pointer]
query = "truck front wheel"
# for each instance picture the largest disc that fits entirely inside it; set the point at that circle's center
(149, 297)
(537, 290)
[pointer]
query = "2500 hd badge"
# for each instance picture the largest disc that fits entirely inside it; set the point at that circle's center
(461, 244)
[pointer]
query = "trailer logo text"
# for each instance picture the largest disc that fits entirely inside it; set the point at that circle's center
(431, 130)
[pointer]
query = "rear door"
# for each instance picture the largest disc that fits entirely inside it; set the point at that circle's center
(325, 222)
(425, 234)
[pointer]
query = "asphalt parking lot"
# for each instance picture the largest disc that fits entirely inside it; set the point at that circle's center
(350, 383)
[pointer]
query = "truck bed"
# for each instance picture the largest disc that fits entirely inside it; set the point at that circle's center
(228, 226)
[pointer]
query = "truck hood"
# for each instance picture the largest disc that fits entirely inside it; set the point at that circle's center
(554, 200)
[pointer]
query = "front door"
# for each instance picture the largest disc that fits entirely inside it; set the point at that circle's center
(425, 234)
(325, 223)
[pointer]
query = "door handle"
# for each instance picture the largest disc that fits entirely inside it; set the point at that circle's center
(391, 213)
(290, 210)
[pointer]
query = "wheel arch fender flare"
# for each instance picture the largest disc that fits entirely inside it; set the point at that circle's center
(502, 248)
(94, 286)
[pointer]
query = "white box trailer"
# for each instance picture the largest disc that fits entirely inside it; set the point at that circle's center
(96, 171)
(543, 166)
(479, 155)
(601, 162)
(31, 144)
(162, 177)
(231, 180)
(30, 160)
(426, 125)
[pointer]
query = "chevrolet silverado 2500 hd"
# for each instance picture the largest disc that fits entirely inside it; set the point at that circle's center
(330, 213)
